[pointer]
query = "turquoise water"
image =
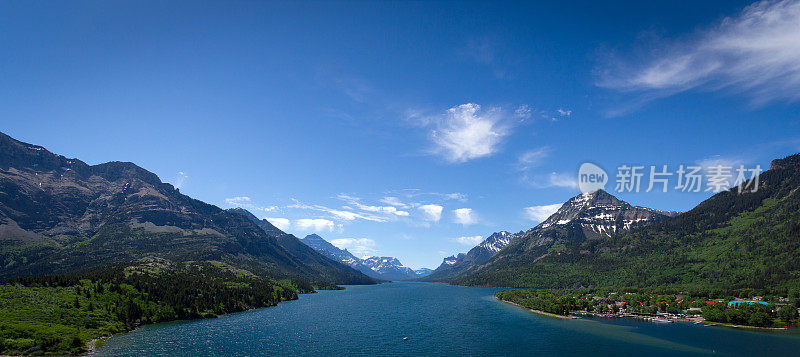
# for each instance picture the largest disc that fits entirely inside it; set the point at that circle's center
(438, 320)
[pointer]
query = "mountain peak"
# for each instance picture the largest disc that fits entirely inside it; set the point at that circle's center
(579, 205)
(313, 236)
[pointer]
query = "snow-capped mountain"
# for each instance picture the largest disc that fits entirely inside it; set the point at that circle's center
(452, 259)
(390, 268)
(588, 216)
(454, 265)
(385, 268)
(591, 215)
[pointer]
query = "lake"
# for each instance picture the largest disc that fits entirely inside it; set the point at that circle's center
(438, 320)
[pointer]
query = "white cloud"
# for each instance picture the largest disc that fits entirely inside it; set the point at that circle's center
(361, 247)
(540, 213)
(236, 201)
(465, 132)
(415, 193)
(389, 210)
(282, 223)
(344, 214)
(533, 158)
(464, 216)
(470, 241)
(756, 52)
(314, 224)
(394, 201)
(564, 112)
(431, 213)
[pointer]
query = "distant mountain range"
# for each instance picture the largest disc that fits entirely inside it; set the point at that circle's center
(733, 240)
(384, 268)
(454, 265)
(60, 215)
(585, 217)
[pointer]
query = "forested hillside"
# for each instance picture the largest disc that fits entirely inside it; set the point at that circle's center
(60, 314)
(748, 240)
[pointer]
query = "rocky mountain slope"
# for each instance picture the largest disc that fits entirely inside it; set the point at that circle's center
(59, 215)
(732, 240)
(586, 217)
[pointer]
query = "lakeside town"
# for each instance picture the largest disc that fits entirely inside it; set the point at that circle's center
(755, 311)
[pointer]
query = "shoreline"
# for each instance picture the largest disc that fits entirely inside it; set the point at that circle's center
(722, 324)
(97, 342)
(694, 321)
(539, 312)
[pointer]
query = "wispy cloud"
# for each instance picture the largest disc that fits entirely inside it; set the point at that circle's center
(533, 158)
(394, 201)
(343, 214)
(756, 52)
(540, 213)
(469, 241)
(418, 197)
(466, 132)
(464, 216)
(361, 247)
(388, 210)
(432, 213)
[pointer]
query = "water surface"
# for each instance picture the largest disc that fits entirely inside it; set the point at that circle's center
(438, 320)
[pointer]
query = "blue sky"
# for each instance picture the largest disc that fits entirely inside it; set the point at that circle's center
(398, 128)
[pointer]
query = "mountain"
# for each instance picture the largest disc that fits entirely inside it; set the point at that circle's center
(588, 216)
(384, 268)
(267, 227)
(455, 265)
(329, 267)
(331, 251)
(60, 215)
(733, 240)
